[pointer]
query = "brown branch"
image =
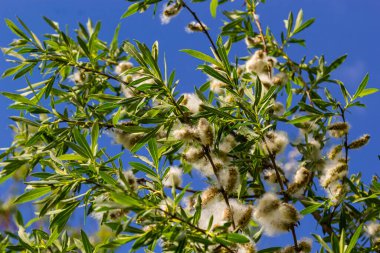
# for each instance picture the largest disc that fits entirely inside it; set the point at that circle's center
(258, 24)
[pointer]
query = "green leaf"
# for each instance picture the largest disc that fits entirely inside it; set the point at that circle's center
(234, 237)
(335, 64)
(117, 115)
(201, 56)
(86, 242)
(367, 92)
(212, 72)
(71, 157)
(153, 151)
(16, 30)
(289, 24)
(303, 119)
(361, 87)
(13, 70)
(82, 142)
(213, 7)
(107, 178)
(303, 26)
(143, 168)
(127, 201)
(323, 243)
(354, 239)
(60, 220)
(132, 9)
(32, 195)
(17, 98)
(78, 149)
(144, 140)
(311, 209)
(299, 19)
(94, 138)
(10, 168)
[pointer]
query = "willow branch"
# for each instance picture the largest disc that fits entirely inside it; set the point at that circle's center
(283, 189)
(203, 27)
(258, 24)
(224, 193)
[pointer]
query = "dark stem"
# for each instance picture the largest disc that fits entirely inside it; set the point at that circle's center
(203, 28)
(345, 135)
(224, 193)
(283, 190)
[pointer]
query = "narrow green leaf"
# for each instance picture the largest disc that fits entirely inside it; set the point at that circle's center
(17, 98)
(15, 29)
(201, 56)
(94, 138)
(107, 178)
(82, 142)
(132, 9)
(303, 119)
(153, 151)
(32, 195)
(367, 92)
(299, 19)
(234, 237)
(213, 7)
(354, 239)
(311, 209)
(143, 168)
(86, 242)
(323, 243)
(335, 64)
(304, 26)
(71, 157)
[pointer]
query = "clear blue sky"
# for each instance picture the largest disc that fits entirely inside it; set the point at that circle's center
(342, 26)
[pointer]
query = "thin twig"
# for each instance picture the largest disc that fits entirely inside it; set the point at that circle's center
(215, 170)
(258, 24)
(203, 28)
(283, 189)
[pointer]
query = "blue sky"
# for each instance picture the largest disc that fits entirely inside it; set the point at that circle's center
(342, 26)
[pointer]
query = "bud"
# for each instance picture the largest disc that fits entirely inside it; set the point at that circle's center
(173, 177)
(275, 142)
(305, 245)
(193, 154)
(278, 109)
(123, 66)
(227, 144)
(333, 172)
(192, 102)
(205, 132)
(249, 247)
(209, 194)
(130, 180)
(252, 41)
(334, 152)
(128, 140)
(195, 27)
(169, 12)
(229, 179)
(338, 129)
(280, 79)
(185, 133)
(359, 142)
(217, 86)
(301, 179)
